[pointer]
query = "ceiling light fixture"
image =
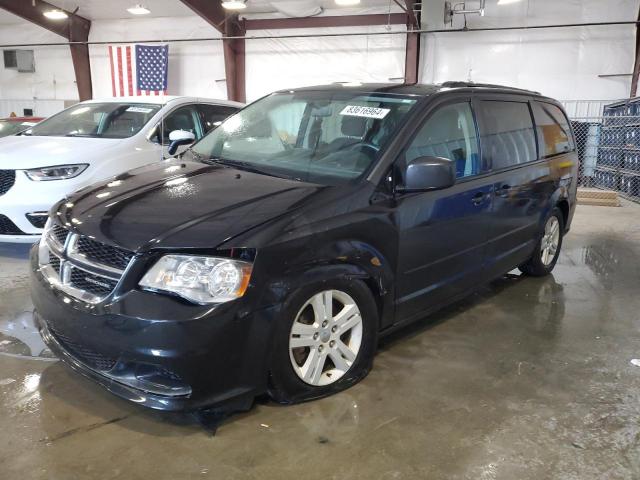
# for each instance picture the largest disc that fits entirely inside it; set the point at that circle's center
(138, 10)
(347, 3)
(234, 4)
(507, 2)
(55, 14)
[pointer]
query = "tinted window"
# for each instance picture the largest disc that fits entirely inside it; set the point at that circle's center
(554, 134)
(212, 115)
(507, 134)
(182, 118)
(450, 133)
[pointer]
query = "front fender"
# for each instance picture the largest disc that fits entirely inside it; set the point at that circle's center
(340, 259)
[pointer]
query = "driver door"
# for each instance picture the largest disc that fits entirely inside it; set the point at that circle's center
(443, 233)
(182, 118)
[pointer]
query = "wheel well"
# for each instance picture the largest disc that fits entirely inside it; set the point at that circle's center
(563, 205)
(371, 283)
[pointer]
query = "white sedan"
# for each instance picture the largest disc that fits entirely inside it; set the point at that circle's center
(87, 143)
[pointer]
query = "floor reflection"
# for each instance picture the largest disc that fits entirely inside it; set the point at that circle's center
(614, 261)
(19, 337)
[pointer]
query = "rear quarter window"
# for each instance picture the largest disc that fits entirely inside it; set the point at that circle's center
(554, 133)
(506, 133)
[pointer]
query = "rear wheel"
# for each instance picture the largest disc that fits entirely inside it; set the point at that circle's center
(325, 343)
(547, 250)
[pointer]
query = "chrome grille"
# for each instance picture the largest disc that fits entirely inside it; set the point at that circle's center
(54, 261)
(81, 267)
(104, 254)
(90, 282)
(7, 179)
(59, 234)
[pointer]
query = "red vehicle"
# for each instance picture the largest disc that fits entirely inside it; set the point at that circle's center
(13, 125)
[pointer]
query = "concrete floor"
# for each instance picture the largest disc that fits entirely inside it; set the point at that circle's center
(528, 379)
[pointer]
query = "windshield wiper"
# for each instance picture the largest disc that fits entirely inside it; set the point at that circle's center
(246, 166)
(197, 156)
(93, 135)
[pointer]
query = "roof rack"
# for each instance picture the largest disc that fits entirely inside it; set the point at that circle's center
(459, 84)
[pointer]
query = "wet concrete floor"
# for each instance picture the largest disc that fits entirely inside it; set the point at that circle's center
(528, 379)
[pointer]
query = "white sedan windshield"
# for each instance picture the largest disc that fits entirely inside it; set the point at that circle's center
(98, 120)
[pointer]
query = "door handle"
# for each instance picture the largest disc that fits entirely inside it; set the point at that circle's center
(503, 191)
(478, 198)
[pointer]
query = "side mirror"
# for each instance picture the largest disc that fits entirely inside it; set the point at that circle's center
(428, 173)
(179, 138)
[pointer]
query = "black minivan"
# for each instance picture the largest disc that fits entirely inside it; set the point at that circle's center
(271, 255)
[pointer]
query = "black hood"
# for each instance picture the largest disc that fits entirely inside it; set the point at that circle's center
(177, 204)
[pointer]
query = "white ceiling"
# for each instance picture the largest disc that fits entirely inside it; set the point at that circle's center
(8, 19)
(116, 9)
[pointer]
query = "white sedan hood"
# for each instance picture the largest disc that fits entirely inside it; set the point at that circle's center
(24, 152)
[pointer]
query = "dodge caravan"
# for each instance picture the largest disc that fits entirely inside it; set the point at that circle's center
(271, 255)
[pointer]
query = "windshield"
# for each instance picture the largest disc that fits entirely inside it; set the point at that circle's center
(8, 127)
(324, 137)
(98, 120)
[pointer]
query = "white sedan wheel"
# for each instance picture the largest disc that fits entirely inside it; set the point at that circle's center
(325, 338)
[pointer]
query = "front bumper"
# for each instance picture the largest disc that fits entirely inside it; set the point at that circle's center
(30, 238)
(156, 350)
(27, 197)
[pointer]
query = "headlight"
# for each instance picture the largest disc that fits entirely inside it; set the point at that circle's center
(199, 279)
(58, 172)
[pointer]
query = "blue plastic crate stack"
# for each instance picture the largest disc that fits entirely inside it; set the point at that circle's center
(618, 163)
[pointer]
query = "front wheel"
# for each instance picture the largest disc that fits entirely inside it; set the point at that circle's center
(326, 341)
(547, 250)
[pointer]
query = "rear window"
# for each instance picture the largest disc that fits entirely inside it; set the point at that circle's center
(554, 134)
(507, 134)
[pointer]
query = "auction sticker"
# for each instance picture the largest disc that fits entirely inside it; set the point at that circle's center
(139, 110)
(366, 112)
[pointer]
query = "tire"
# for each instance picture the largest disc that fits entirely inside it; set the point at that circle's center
(545, 255)
(298, 347)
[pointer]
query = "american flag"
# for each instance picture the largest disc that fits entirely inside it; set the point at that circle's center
(138, 69)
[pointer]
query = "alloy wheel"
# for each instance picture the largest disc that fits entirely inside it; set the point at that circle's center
(550, 241)
(325, 337)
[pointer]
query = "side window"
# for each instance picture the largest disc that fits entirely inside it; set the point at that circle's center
(212, 115)
(183, 118)
(450, 133)
(554, 134)
(507, 134)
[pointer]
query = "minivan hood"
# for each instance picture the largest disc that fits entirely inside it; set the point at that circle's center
(23, 151)
(176, 204)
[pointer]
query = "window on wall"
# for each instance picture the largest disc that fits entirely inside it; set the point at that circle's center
(21, 60)
(449, 133)
(554, 133)
(10, 59)
(507, 134)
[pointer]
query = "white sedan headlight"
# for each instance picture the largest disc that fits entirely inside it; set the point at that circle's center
(199, 279)
(58, 172)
